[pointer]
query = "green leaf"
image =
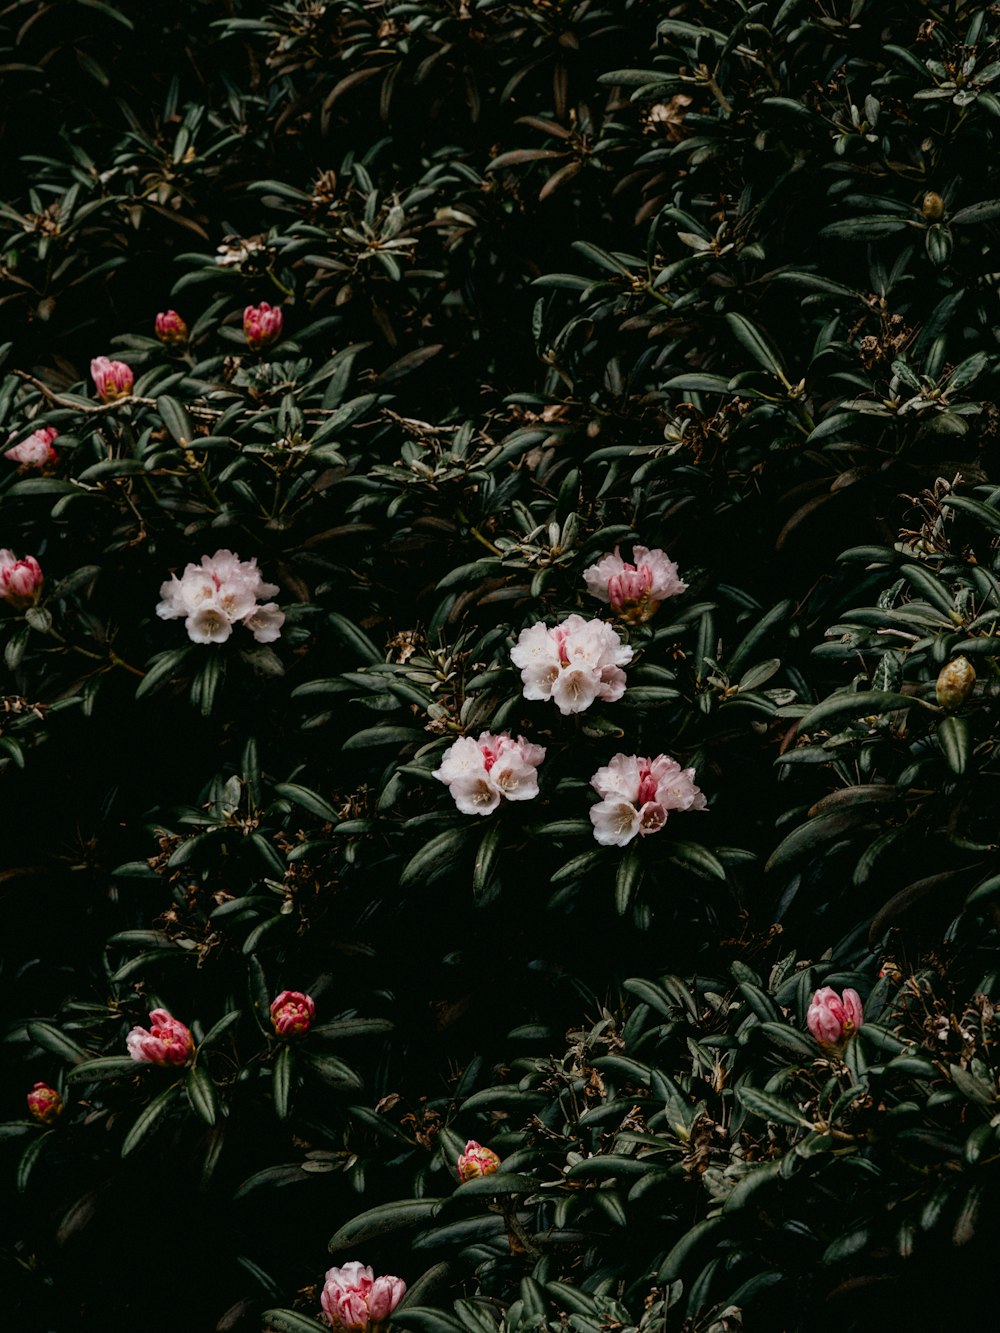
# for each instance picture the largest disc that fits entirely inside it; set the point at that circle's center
(54, 1041)
(201, 1094)
(754, 342)
(500, 1182)
(354, 639)
(483, 890)
(176, 420)
(696, 858)
(434, 858)
(150, 1118)
(843, 708)
(28, 1159)
(308, 800)
(769, 1107)
(953, 736)
(332, 1071)
(290, 1321)
(110, 1066)
(283, 1082)
(628, 879)
(163, 669)
(380, 1221)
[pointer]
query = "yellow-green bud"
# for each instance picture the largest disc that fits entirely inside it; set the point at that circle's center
(955, 682)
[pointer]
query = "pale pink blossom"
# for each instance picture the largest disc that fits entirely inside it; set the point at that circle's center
(479, 774)
(573, 663)
(36, 450)
(292, 1013)
(637, 795)
(168, 1041)
(171, 329)
(20, 580)
(477, 1161)
(112, 379)
(220, 592)
(354, 1300)
(44, 1104)
(262, 325)
(634, 590)
(832, 1017)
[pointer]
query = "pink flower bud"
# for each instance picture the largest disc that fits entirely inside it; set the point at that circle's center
(168, 1041)
(833, 1018)
(292, 1013)
(477, 1161)
(20, 580)
(171, 329)
(262, 325)
(354, 1299)
(36, 450)
(44, 1104)
(112, 379)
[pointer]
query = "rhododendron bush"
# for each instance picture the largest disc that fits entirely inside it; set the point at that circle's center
(499, 517)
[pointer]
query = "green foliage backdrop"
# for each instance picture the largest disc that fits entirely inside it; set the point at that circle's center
(556, 277)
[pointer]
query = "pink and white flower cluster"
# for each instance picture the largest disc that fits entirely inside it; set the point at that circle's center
(36, 450)
(634, 590)
(168, 1041)
(477, 1161)
(354, 1299)
(481, 773)
(572, 663)
(217, 594)
(832, 1018)
(637, 794)
(20, 580)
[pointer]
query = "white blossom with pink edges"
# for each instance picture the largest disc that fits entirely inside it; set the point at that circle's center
(638, 794)
(221, 592)
(572, 663)
(634, 589)
(480, 774)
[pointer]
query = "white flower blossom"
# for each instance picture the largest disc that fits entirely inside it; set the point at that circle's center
(479, 774)
(573, 663)
(216, 595)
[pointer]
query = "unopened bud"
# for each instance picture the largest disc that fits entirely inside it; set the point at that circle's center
(932, 207)
(955, 682)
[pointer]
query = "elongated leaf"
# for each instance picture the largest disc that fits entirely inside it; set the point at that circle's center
(435, 857)
(290, 1321)
(51, 1039)
(283, 1082)
(770, 1107)
(309, 800)
(201, 1094)
(848, 707)
(756, 344)
(486, 859)
(380, 1221)
(953, 735)
(157, 1110)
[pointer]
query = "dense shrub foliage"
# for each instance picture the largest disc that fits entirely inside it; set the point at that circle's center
(342, 341)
